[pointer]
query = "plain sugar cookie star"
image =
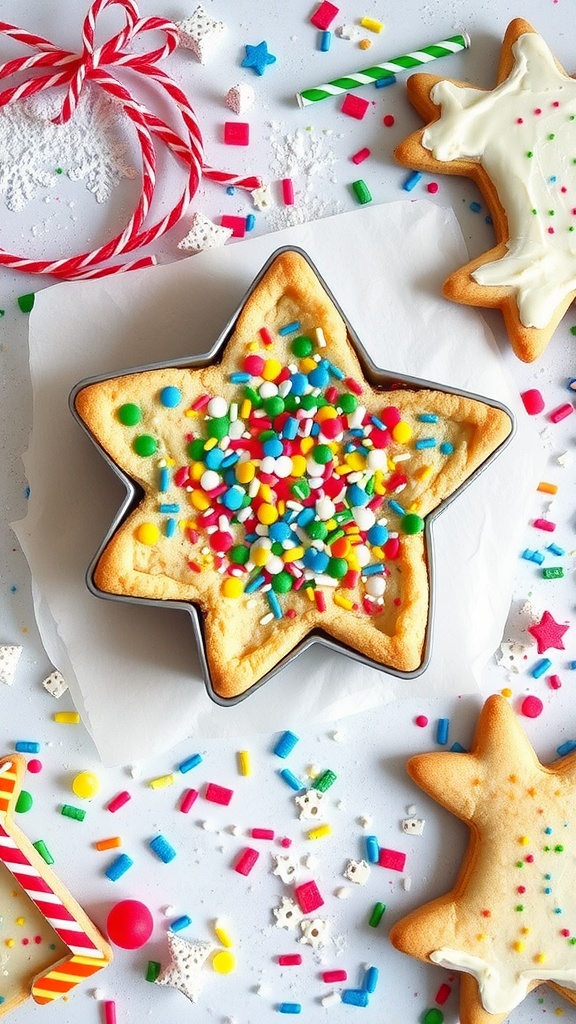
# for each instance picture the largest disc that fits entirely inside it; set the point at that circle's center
(509, 923)
(548, 633)
(258, 58)
(516, 142)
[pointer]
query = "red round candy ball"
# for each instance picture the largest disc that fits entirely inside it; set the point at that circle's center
(129, 924)
(388, 120)
(421, 721)
(34, 765)
(532, 707)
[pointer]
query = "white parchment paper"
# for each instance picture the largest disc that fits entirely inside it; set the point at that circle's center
(133, 671)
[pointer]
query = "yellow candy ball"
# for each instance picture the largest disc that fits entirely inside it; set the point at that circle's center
(223, 962)
(402, 432)
(266, 514)
(245, 472)
(271, 369)
(148, 533)
(232, 587)
(85, 785)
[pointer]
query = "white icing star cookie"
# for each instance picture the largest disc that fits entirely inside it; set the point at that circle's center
(184, 971)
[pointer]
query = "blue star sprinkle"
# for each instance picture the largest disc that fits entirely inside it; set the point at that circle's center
(258, 58)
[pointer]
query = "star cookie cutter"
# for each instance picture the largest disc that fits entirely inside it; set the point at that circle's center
(313, 629)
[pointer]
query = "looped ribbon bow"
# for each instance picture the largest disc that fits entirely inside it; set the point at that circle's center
(60, 67)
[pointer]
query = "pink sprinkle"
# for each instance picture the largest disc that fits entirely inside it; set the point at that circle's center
(324, 15)
(388, 120)
(262, 833)
(109, 1011)
(118, 801)
(556, 103)
(565, 932)
(529, 858)
(533, 401)
(394, 860)
(519, 120)
(246, 861)
(532, 707)
(555, 682)
(551, 231)
(360, 156)
(189, 797)
(288, 191)
(236, 133)
(354, 106)
(544, 524)
(308, 896)
(561, 412)
(421, 721)
(285, 843)
(320, 600)
(290, 959)
(200, 403)
(34, 765)
(353, 385)
(432, 187)
(218, 794)
(443, 993)
(538, 110)
(237, 225)
(332, 976)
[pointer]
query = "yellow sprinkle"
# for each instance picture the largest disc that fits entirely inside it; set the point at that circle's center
(162, 781)
(196, 470)
(10, 943)
(343, 470)
(371, 24)
(108, 844)
(402, 432)
(343, 602)
(223, 962)
(245, 472)
(298, 465)
(482, 936)
(222, 934)
(245, 409)
(540, 958)
(271, 369)
(356, 461)
(67, 717)
(547, 488)
(292, 554)
(506, 692)
(260, 555)
(281, 507)
(526, 931)
(310, 592)
(524, 841)
(518, 947)
(325, 412)
(20, 921)
(148, 533)
(244, 762)
(320, 832)
(253, 346)
(232, 587)
(200, 500)
(308, 364)
(306, 444)
(424, 472)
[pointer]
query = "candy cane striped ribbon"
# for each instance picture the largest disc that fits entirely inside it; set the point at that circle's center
(92, 64)
(85, 957)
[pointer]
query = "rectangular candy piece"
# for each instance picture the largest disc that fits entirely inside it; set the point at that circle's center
(246, 861)
(218, 794)
(324, 15)
(394, 860)
(308, 896)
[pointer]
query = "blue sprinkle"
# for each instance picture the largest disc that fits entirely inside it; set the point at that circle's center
(230, 460)
(373, 570)
(290, 428)
(240, 377)
(457, 748)
(285, 744)
(164, 479)
(290, 328)
(488, 220)
(180, 923)
(378, 422)
(566, 748)
(274, 603)
(532, 556)
(27, 747)
(118, 867)
(355, 996)
(371, 979)
(230, 190)
(572, 664)
(555, 549)
(396, 507)
(290, 1008)
(446, 448)
(292, 780)
(162, 848)
(170, 397)
(171, 527)
(305, 516)
(540, 668)
(250, 222)
(383, 82)
(411, 181)
(166, 509)
(335, 371)
(428, 417)
(571, 383)
(372, 849)
(325, 40)
(254, 584)
(425, 442)
(475, 207)
(190, 763)
(442, 729)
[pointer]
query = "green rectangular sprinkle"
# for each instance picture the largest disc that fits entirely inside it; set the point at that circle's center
(362, 192)
(153, 970)
(555, 572)
(324, 781)
(43, 850)
(72, 812)
(377, 914)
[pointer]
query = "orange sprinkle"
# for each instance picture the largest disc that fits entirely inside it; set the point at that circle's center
(108, 844)
(547, 488)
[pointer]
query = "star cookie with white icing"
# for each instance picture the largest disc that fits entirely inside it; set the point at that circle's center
(185, 970)
(509, 923)
(518, 143)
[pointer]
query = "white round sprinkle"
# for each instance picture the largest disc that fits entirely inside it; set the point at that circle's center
(375, 586)
(209, 480)
(325, 509)
(268, 389)
(217, 406)
(363, 517)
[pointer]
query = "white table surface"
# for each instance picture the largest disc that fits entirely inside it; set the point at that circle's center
(368, 752)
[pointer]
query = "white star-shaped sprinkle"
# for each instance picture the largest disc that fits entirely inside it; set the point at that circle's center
(185, 969)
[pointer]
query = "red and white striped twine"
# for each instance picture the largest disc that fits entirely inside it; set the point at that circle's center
(70, 69)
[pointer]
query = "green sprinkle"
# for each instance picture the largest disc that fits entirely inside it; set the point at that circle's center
(43, 850)
(432, 1016)
(26, 302)
(377, 914)
(302, 347)
(519, 908)
(411, 523)
(573, 330)
(559, 849)
(555, 572)
(324, 781)
(572, 941)
(551, 213)
(72, 812)
(129, 414)
(145, 445)
(519, 863)
(535, 212)
(59, 170)
(24, 802)
(2, 312)
(551, 136)
(153, 970)
(529, 154)
(362, 192)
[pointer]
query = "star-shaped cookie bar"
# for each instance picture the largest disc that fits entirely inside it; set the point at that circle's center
(282, 493)
(509, 923)
(517, 142)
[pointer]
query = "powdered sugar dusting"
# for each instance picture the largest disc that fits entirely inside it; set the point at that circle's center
(306, 156)
(88, 148)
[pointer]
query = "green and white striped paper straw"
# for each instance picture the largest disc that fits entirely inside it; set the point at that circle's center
(390, 67)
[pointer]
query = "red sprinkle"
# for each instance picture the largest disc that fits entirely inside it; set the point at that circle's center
(320, 600)
(432, 187)
(290, 959)
(555, 682)
(443, 993)
(360, 156)
(246, 861)
(561, 412)
(324, 15)
(34, 766)
(266, 335)
(288, 191)
(218, 794)
(388, 120)
(544, 524)
(532, 706)
(236, 133)
(532, 401)
(354, 106)
(421, 721)
(353, 385)
(118, 801)
(332, 976)
(308, 896)
(262, 833)
(189, 797)
(394, 860)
